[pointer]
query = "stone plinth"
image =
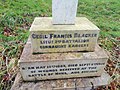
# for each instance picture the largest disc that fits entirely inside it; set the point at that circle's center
(47, 37)
(61, 65)
(62, 84)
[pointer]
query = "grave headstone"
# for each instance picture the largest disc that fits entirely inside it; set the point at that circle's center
(58, 47)
(47, 37)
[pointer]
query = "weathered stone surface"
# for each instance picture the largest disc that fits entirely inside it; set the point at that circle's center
(63, 38)
(61, 65)
(62, 84)
(64, 11)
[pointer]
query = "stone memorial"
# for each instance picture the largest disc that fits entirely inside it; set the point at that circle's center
(63, 32)
(47, 37)
(64, 46)
(64, 11)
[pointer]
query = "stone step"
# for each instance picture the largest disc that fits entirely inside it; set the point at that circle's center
(88, 83)
(61, 65)
(47, 37)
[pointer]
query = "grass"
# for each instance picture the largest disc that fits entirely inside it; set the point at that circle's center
(104, 13)
(16, 17)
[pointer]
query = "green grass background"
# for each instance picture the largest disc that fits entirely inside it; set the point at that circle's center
(18, 15)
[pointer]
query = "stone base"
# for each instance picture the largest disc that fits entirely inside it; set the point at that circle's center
(61, 65)
(62, 84)
(47, 37)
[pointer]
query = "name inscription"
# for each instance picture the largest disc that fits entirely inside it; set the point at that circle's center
(50, 36)
(63, 40)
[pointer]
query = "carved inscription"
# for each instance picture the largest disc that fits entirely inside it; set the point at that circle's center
(70, 40)
(55, 70)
